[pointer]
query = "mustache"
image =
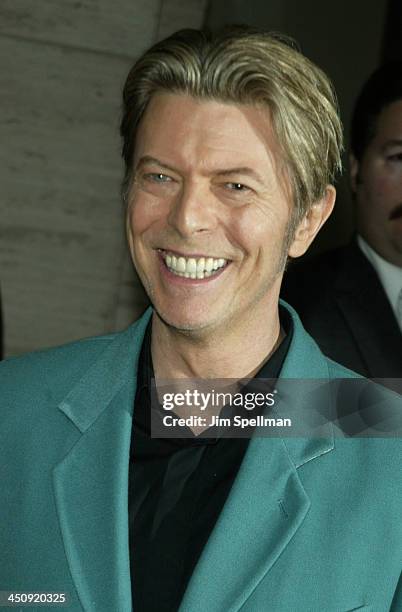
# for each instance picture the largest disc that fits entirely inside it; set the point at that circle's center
(396, 213)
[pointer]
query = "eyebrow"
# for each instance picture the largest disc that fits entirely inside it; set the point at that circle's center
(148, 159)
(396, 142)
(241, 170)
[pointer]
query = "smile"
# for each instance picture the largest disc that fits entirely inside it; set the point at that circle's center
(193, 267)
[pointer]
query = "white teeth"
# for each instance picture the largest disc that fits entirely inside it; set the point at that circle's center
(192, 267)
(181, 264)
(200, 264)
(209, 264)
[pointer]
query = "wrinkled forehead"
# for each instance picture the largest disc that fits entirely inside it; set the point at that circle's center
(203, 134)
(179, 112)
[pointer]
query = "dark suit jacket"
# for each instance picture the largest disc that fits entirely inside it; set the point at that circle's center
(342, 304)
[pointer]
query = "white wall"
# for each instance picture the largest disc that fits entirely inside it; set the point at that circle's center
(64, 267)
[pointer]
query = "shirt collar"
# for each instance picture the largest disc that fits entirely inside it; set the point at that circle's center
(270, 370)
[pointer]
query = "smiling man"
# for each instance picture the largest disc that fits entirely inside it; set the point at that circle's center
(231, 144)
(209, 220)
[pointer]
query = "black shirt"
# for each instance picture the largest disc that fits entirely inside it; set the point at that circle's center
(177, 489)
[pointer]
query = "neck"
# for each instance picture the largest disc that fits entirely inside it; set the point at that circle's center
(236, 353)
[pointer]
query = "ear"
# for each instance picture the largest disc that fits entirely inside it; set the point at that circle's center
(312, 222)
(354, 168)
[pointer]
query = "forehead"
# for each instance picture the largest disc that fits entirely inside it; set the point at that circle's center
(205, 132)
(389, 124)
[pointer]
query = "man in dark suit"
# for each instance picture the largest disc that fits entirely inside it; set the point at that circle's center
(350, 299)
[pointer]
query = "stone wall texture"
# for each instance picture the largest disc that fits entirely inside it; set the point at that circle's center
(65, 272)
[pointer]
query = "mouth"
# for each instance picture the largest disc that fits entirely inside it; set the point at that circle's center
(193, 267)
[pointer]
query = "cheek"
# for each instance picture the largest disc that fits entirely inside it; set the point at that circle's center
(383, 187)
(139, 219)
(392, 184)
(259, 230)
(142, 215)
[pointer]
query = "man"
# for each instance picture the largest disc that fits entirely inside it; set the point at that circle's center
(231, 144)
(350, 299)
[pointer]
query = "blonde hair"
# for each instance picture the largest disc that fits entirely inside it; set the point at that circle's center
(243, 65)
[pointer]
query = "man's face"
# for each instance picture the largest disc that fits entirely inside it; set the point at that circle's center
(377, 182)
(207, 214)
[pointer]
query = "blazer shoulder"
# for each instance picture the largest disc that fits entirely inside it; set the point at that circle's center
(47, 375)
(49, 371)
(63, 352)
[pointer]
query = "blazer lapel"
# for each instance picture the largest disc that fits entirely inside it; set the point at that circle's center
(90, 483)
(266, 506)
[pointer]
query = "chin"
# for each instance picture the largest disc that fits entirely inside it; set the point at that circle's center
(185, 322)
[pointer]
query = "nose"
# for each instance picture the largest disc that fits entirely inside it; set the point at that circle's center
(192, 211)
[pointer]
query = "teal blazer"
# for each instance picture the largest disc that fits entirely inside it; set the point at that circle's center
(310, 525)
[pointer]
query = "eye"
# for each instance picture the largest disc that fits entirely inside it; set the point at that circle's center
(157, 177)
(237, 187)
(395, 157)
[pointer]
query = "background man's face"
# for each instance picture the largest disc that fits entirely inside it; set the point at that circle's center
(377, 181)
(206, 193)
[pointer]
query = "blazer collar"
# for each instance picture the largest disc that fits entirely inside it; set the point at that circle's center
(264, 510)
(115, 367)
(305, 362)
(267, 504)
(90, 483)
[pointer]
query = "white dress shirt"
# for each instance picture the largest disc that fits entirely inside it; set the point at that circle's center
(389, 275)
